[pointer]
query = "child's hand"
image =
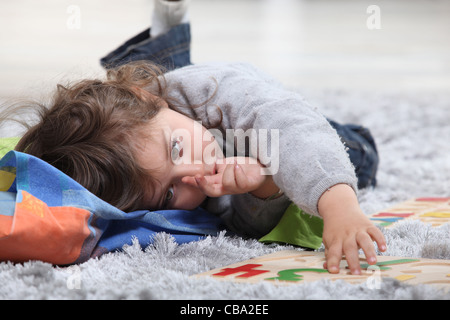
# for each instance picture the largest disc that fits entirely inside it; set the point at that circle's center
(235, 176)
(346, 230)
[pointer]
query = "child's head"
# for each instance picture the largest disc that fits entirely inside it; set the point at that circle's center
(178, 147)
(107, 136)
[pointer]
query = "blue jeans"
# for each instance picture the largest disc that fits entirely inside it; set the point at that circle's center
(362, 151)
(172, 50)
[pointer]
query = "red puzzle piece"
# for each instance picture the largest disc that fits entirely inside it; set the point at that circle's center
(247, 268)
(389, 214)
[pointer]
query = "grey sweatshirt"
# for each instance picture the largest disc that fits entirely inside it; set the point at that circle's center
(311, 156)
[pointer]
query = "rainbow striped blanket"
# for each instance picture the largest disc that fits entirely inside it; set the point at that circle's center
(45, 215)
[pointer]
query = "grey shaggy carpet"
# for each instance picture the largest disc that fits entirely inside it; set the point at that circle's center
(412, 132)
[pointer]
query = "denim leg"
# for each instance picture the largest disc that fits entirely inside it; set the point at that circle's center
(170, 50)
(362, 151)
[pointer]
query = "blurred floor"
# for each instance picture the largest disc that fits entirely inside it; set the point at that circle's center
(303, 43)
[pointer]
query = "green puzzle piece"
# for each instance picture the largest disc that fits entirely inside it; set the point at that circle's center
(382, 264)
(291, 274)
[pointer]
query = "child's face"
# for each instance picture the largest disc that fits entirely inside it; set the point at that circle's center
(178, 147)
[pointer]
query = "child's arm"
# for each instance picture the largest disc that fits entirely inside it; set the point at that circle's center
(347, 229)
(307, 159)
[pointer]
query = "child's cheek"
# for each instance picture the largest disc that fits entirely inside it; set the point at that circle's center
(188, 198)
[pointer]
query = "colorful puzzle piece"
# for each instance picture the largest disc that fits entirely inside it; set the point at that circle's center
(292, 266)
(435, 211)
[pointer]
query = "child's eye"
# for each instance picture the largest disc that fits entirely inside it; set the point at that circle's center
(169, 195)
(177, 151)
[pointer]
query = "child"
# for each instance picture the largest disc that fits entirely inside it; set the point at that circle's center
(142, 139)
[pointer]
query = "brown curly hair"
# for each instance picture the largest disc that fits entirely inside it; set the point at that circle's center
(89, 129)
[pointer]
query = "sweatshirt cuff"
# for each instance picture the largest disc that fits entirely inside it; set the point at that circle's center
(326, 184)
(256, 202)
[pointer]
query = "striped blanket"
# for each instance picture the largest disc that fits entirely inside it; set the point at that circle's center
(45, 215)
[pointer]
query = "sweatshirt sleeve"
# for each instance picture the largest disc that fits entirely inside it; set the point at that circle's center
(307, 156)
(246, 215)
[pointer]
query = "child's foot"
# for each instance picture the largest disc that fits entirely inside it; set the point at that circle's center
(167, 14)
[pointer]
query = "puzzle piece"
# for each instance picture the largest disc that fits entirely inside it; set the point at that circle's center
(246, 271)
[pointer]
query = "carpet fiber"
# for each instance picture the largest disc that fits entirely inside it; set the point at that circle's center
(412, 132)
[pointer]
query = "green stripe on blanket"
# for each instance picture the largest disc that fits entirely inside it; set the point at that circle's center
(7, 144)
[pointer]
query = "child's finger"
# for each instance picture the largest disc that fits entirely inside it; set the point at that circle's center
(333, 258)
(240, 177)
(378, 237)
(351, 255)
(228, 178)
(366, 244)
(189, 180)
(210, 189)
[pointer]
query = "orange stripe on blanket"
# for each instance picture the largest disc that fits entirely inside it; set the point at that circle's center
(40, 232)
(5, 226)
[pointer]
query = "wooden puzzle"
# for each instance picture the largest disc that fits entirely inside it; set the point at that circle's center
(293, 266)
(435, 211)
